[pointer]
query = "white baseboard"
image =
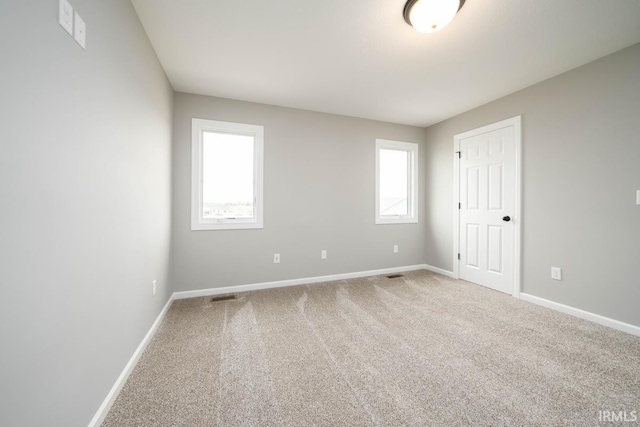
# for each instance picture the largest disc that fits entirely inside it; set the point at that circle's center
(294, 282)
(596, 318)
(439, 270)
(113, 393)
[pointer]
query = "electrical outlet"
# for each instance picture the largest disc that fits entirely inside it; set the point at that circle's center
(395, 249)
(323, 254)
(276, 258)
(154, 288)
(556, 273)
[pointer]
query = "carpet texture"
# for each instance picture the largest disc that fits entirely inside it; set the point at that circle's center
(420, 350)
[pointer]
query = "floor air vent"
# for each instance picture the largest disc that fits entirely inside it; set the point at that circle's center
(223, 298)
(395, 276)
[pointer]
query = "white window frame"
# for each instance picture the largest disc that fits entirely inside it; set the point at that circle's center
(198, 127)
(412, 203)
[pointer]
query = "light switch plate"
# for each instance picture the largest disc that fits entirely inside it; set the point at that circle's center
(556, 273)
(79, 30)
(638, 197)
(65, 16)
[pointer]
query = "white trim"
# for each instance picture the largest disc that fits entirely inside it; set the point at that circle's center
(456, 209)
(102, 412)
(198, 126)
(439, 270)
(294, 282)
(586, 315)
(115, 390)
(412, 202)
(516, 122)
(517, 127)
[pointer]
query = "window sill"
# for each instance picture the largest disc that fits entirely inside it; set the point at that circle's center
(384, 221)
(226, 226)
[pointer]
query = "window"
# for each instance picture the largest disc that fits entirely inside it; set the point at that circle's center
(226, 175)
(396, 182)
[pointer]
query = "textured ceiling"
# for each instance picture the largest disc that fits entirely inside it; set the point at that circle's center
(359, 58)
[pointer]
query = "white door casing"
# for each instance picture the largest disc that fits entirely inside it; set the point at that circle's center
(487, 206)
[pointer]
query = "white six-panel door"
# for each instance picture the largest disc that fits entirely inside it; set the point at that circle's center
(487, 206)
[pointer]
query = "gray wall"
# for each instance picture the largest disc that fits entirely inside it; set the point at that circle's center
(319, 194)
(85, 193)
(581, 163)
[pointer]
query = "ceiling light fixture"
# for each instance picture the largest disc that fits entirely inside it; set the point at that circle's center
(429, 16)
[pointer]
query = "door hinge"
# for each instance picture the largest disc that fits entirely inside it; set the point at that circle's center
(458, 256)
(459, 153)
(459, 205)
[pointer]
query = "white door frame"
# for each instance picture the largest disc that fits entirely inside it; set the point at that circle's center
(516, 122)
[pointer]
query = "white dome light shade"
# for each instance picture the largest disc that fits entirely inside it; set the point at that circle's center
(429, 16)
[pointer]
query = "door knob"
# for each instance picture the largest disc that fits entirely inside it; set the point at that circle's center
(506, 218)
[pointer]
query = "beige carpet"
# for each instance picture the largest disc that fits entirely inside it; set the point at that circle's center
(422, 350)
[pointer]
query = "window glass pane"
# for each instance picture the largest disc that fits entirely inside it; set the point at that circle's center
(394, 182)
(227, 174)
